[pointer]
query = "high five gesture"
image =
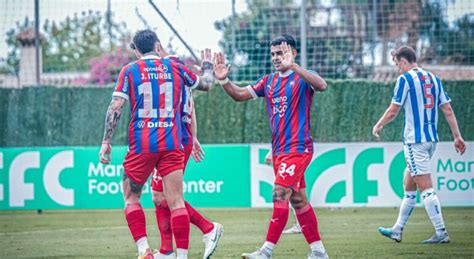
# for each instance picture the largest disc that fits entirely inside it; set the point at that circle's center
(221, 71)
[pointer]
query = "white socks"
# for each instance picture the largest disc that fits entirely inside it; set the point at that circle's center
(433, 208)
(142, 245)
(267, 248)
(406, 209)
(318, 247)
(181, 253)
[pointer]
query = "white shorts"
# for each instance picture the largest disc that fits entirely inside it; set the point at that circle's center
(418, 157)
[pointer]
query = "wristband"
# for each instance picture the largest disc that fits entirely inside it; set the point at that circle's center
(223, 82)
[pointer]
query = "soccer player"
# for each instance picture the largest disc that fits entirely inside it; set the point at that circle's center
(212, 231)
(420, 93)
(153, 86)
(288, 93)
(296, 228)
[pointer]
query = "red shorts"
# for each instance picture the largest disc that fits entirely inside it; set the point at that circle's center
(157, 182)
(289, 170)
(138, 167)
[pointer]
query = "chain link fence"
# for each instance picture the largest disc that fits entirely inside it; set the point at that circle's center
(352, 38)
(85, 42)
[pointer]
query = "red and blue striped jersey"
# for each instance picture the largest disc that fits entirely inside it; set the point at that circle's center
(186, 109)
(154, 88)
(288, 100)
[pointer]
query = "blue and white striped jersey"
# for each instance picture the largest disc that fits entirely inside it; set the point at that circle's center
(421, 94)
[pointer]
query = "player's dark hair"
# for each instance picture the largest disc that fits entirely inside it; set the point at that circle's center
(405, 52)
(144, 41)
(284, 38)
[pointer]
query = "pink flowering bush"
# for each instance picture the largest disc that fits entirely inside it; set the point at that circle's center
(105, 68)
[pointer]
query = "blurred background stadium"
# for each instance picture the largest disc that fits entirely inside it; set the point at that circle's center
(341, 39)
(59, 60)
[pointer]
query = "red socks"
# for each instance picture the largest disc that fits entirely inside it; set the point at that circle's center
(198, 220)
(309, 223)
(278, 221)
(163, 218)
(180, 227)
(135, 217)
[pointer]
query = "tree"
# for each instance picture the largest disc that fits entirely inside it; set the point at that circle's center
(396, 19)
(447, 44)
(422, 24)
(335, 50)
(344, 32)
(105, 68)
(70, 44)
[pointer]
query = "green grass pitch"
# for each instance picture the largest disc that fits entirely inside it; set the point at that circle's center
(347, 233)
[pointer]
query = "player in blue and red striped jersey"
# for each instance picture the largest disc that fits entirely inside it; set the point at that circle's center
(154, 87)
(288, 94)
(212, 231)
(421, 94)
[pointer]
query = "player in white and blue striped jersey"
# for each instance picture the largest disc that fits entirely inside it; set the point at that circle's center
(421, 94)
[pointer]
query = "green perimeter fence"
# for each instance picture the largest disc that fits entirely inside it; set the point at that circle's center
(346, 112)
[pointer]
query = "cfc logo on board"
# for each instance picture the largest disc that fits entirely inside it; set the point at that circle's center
(365, 174)
(20, 189)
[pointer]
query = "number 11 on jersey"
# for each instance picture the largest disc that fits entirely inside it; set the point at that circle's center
(166, 107)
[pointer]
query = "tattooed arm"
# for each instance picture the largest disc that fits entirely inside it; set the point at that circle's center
(111, 121)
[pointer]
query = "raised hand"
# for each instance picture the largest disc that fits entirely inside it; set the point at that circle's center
(221, 71)
(288, 59)
(206, 56)
(206, 68)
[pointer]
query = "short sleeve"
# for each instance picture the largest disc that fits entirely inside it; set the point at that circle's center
(190, 79)
(257, 89)
(122, 86)
(443, 96)
(176, 59)
(400, 92)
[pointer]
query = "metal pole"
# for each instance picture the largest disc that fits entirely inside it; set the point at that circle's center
(109, 24)
(234, 48)
(374, 31)
(303, 35)
(174, 31)
(37, 43)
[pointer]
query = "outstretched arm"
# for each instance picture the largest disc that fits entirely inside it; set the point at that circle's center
(221, 72)
(111, 121)
(386, 118)
(459, 144)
